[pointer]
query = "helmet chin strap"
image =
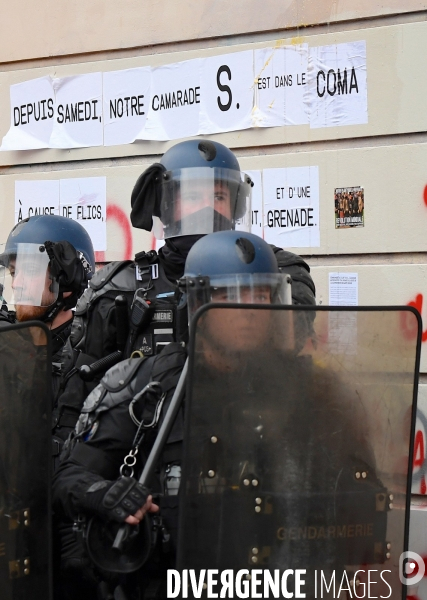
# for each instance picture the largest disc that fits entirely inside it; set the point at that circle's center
(61, 303)
(54, 309)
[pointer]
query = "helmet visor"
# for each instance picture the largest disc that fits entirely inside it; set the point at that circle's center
(25, 277)
(254, 288)
(201, 200)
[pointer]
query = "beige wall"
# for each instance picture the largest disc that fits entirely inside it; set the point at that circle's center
(395, 211)
(31, 30)
(387, 156)
(396, 80)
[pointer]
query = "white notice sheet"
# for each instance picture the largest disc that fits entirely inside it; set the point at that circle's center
(343, 289)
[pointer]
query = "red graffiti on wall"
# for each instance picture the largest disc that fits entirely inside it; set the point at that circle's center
(419, 454)
(425, 195)
(418, 462)
(409, 324)
(115, 213)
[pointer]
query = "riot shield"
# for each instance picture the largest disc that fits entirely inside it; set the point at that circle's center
(25, 459)
(298, 446)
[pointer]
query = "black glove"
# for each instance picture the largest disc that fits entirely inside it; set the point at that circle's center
(115, 500)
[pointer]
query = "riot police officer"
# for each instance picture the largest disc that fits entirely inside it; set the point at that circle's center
(273, 439)
(278, 466)
(45, 267)
(196, 188)
(128, 402)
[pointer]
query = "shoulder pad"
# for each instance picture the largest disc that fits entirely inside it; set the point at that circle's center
(77, 331)
(119, 384)
(93, 399)
(88, 411)
(123, 280)
(303, 288)
(84, 301)
(285, 258)
(104, 275)
(119, 376)
(149, 257)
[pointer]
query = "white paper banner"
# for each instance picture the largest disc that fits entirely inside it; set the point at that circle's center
(270, 87)
(78, 114)
(175, 101)
(280, 81)
(291, 207)
(126, 97)
(36, 198)
(85, 200)
(336, 91)
(227, 92)
(31, 115)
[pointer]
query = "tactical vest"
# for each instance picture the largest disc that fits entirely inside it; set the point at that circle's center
(95, 332)
(124, 278)
(119, 389)
(124, 384)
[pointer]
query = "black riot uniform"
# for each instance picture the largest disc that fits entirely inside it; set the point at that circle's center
(105, 435)
(95, 331)
(275, 446)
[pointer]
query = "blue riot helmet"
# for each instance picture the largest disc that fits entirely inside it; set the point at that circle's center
(234, 266)
(196, 188)
(44, 257)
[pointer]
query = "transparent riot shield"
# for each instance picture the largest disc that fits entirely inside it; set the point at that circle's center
(298, 446)
(25, 449)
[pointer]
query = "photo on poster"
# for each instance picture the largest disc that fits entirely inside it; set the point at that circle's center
(349, 207)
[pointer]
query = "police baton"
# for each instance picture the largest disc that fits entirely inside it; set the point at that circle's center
(158, 446)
